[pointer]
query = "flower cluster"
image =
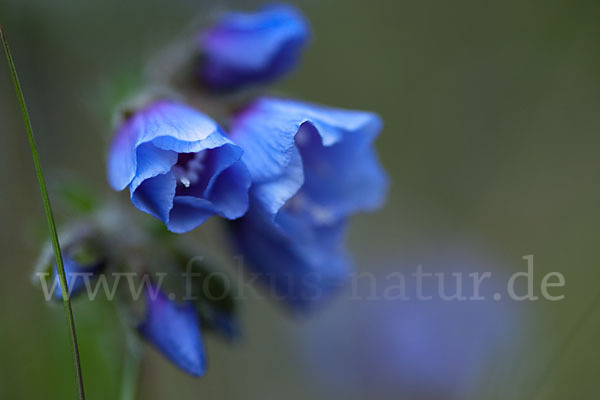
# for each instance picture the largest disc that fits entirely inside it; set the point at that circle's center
(285, 174)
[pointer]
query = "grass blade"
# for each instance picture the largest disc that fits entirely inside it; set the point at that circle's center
(49, 217)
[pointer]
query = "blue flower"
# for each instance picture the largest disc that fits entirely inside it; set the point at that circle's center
(247, 48)
(174, 330)
(179, 166)
(312, 167)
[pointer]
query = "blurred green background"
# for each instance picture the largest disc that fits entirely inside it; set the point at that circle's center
(491, 139)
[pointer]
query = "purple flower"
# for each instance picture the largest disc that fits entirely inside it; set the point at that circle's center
(175, 331)
(179, 166)
(312, 167)
(247, 48)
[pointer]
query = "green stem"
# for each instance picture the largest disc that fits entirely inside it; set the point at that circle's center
(131, 368)
(49, 217)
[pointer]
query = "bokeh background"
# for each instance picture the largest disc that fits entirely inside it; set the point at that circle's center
(491, 142)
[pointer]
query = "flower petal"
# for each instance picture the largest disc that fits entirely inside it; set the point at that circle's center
(229, 192)
(274, 193)
(152, 161)
(121, 163)
(188, 213)
(155, 196)
(175, 126)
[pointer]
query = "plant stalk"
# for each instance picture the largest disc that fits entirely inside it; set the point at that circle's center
(49, 217)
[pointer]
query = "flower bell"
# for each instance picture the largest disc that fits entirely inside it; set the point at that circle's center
(312, 168)
(179, 166)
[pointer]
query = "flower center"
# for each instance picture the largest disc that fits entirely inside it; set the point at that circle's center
(188, 168)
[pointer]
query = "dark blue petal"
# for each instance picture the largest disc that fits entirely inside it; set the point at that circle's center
(155, 196)
(188, 213)
(300, 263)
(175, 331)
(229, 192)
(248, 48)
(310, 158)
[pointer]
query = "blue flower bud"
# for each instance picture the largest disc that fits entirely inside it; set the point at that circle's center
(175, 331)
(248, 48)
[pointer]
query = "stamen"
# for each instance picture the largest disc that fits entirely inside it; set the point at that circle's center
(189, 168)
(186, 182)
